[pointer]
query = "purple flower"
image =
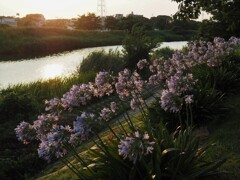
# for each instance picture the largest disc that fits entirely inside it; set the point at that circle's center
(54, 144)
(142, 63)
(25, 132)
(44, 124)
(189, 99)
(54, 105)
(135, 147)
(82, 128)
(103, 84)
(106, 114)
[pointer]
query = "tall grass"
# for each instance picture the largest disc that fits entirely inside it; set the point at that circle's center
(17, 43)
(23, 43)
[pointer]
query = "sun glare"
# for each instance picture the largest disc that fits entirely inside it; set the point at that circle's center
(52, 70)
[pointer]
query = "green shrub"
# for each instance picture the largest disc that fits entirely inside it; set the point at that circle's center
(13, 104)
(165, 52)
(137, 46)
(102, 61)
(213, 86)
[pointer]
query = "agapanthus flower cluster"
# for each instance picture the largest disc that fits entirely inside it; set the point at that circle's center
(25, 132)
(82, 128)
(107, 113)
(128, 84)
(78, 96)
(54, 105)
(103, 82)
(175, 70)
(171, 75)
(176, 87)
(136, 146)
(53, 145)
(44, 124)
(54, 142)
(210, 53)
(142, 63)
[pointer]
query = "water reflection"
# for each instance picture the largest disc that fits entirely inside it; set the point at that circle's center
(48, 67)
(52, 70)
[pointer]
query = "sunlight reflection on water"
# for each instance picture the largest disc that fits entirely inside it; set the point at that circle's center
(52, 70)
(57, 65)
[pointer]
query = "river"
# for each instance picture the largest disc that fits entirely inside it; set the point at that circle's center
(57, 65)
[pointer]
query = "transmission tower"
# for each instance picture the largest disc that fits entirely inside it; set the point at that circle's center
(101, 10)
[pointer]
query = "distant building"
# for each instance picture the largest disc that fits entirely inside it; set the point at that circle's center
(134, 15)
(118, 16)
(9, 21)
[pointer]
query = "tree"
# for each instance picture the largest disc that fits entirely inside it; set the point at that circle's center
(32, 20)
(137, 46)
(57, 23)
(111, 23)
(161, 22)
(224, 12)
(88, 22)
(130, 20)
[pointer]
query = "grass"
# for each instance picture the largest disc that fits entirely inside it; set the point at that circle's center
(225, 134)
(17, 43)
(24, 43)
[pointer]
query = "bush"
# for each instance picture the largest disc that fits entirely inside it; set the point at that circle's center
(214, 85)
(163, 52)
(137, 46)
(13, 104)
(101, 61)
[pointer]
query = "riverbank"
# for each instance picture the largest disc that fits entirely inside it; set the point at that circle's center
(57, 65)
(25, 43)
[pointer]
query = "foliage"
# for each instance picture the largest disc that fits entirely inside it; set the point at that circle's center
(136, 47)
(214, 84)
(175, 156)
(225, 133)
(223, 12)
(162, 52)
(19, 43)
(161, 22)
(102, 61)
(112, 23)
(32, 20)
(88, 22)
(12, 104)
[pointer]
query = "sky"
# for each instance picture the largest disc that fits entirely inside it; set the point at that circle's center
(52, 9)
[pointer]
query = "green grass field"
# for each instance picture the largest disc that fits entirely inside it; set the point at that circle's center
(23, 43)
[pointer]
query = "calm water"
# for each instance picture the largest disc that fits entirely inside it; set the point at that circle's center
(62, 65)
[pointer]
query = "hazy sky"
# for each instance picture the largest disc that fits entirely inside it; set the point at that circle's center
(72, 8)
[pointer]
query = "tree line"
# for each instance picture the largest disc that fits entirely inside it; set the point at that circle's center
(91, 21)
(224, 20)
